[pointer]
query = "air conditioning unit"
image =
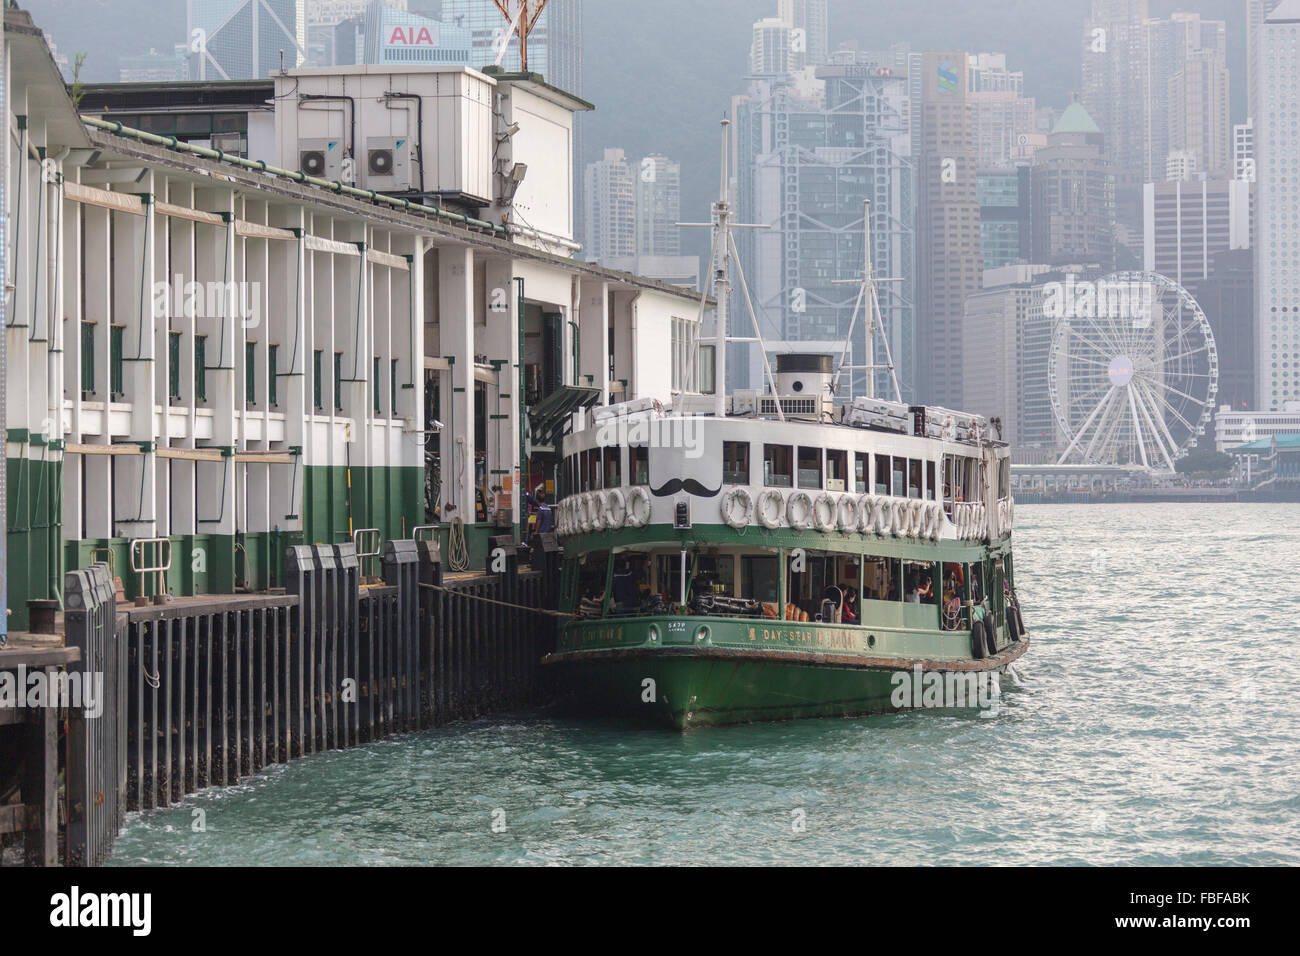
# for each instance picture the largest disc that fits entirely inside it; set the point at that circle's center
(321, 158)
(388, 164)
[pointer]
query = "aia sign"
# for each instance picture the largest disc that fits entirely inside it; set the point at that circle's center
(411, 36)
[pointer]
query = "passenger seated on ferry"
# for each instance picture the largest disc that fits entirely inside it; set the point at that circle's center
(847, 614)
(627, 587)
(925, 590)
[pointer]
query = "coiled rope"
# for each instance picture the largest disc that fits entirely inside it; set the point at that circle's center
(458, 553)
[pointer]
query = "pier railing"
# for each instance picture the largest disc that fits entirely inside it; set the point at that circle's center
(202, 692)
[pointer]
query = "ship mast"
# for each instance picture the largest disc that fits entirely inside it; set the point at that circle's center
(867, 285)
(521, 23)
(720, 262)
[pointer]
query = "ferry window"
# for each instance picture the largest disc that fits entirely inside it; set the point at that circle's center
(837, 470)
(639, 465)
(594, 470)
(630, 584)
(706, 369)
(929, 480)
(591, 583)
(861, 465)
(900, 477)
(613, 467)
(810, 468)
(714, 574)
(1004, 478)
(976, 578)
(913, 478)
(778, 463)
(880, 579)
(668, 576)
(882, 474)
(918, 582)
(758, 578)
(735, 462)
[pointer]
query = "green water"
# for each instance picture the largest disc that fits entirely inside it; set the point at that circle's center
(1154, 720)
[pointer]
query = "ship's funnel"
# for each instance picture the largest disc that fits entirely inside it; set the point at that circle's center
(803, 374)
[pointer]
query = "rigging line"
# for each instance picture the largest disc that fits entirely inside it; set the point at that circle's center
(767, 366)
(297, 304)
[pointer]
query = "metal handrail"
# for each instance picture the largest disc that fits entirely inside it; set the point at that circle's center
(160, 566)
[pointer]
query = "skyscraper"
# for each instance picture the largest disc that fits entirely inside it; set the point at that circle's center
(804, 168)
(1277, 264)
(610, 208)
(245, 39)
(1115, 93)
(1187, 90)
(1186, 224)
(554, 46)
(949, 259)
(811, 17)
(1073, 195)
(658, 207)
(1256, 11)
(769, 50)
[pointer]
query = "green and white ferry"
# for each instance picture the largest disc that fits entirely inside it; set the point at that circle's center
(778, 554)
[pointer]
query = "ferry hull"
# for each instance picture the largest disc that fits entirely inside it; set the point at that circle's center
(687, 687)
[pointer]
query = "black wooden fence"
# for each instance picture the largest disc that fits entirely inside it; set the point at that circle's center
(202, 692)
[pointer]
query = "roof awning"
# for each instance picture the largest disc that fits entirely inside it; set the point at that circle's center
(549, 418)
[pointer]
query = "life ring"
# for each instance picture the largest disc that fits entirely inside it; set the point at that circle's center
(846, 511)
(981, 520)
(638, 507)
(615, 508)
(925, 525)
(916, 519)
(596, 510)
(798, 511)
(823, 513)
(899, 516)
(738, 508)
(884, 515)
(936, 521)
(770, 508)
(562, 521)
(866, 513)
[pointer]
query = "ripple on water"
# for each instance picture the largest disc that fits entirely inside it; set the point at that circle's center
(1154, 721)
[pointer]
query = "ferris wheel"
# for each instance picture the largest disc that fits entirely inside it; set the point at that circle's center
(1133, 371)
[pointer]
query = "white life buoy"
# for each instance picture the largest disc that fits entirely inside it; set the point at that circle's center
(936, 521)
(771, 507)
(899, 516)
(884, 515)
(737, 508)
(823, 512)
(924, 521)
(866, 514)
(798, 510)
(615, 508)
(981, 521)
(846, 512)
(915, 518)
(596, 510)
(638, 507)
(1011, 513)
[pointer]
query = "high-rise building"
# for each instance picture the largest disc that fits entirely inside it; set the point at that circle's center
(1243, 151)
(1277, 152)
(1186, 224)
(1199, 120)
(769, 50)
(1256, 11)
(154, 66)
(1226, 295)
(804, 169)
(1004, 201)
(554, 46)
(1186, 88)
(1007, 339)
(610, 208)
(1073, 194)
(658, 207)
(245, 39)
(812, 46)
(1115, 92)
(949, 258)
(392, 36)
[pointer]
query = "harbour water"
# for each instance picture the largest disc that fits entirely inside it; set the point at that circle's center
(1154, 721)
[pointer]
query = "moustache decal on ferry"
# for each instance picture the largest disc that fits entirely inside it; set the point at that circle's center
(690, 485)
(698, 473)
